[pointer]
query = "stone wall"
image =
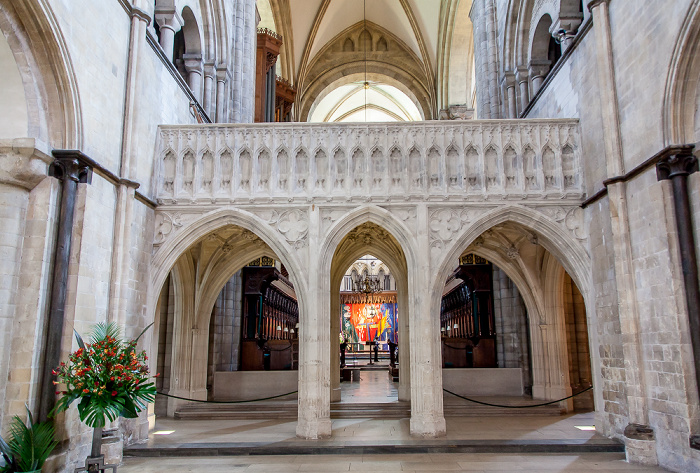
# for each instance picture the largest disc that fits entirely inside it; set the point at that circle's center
(121, 88)
(664, 368)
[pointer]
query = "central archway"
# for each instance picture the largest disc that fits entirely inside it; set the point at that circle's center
(425, 382)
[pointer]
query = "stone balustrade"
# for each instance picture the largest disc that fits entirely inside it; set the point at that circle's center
(445, 161)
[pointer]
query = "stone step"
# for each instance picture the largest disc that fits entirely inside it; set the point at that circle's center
(328, 447)
(394, 410)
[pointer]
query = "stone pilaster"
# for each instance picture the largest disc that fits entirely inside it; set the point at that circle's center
(639, 437)
(23, 164)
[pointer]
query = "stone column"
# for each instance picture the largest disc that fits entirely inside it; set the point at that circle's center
(244, 44)
(492, 55)
(427, 417)
(22, 167)
(404, 348)
(564, 38)
(193, 65)
(676, 167)
(209, 78)
(538, 70)
(222, 76)
(335, 346)
(639, 436)
(523, 79)
(314, 414)
(170, 22)
(70, 167)
(565, 27)
(509, 85)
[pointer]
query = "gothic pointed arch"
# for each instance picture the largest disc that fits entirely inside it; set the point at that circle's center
(46, 69)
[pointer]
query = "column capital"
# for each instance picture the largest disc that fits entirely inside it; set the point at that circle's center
(678, 161)
(508, 79)
(193, 62)
(168, 17)
(23, 162)
(71, 164)
(140, 14)
(522, 74)
(539, 68)
(595, 3)
(210, 69)
(222, 73)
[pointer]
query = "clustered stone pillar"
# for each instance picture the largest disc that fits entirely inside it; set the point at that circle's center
(170, 22)
(70, 167)
(639, 436)
(483, 16)
(244, 45)
(22, 167)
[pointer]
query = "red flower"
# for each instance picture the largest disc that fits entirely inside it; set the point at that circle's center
(114, 393)
(86, 391)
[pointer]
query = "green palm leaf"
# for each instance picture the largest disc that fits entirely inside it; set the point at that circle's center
(103, 330)
(29, 445)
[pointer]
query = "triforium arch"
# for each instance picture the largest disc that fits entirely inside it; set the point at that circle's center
(427, 417)
(537, 262)
(223, 241)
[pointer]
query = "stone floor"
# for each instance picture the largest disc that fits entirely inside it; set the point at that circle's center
(472, 463)
(375, 387)
(367, 431)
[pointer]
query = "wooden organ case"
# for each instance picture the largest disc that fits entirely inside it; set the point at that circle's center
(467, 324)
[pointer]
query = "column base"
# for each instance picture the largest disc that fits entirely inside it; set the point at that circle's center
(640, 445)
(313, 429)
(428, 426)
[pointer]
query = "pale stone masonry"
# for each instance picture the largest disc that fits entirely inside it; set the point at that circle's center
(550, 182)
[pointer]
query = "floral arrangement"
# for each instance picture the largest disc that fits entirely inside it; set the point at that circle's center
(107, 375)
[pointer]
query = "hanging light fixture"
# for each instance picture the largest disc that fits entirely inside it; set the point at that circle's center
(367, 284)
(364, 47)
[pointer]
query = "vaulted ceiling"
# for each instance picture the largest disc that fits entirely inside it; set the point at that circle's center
(421, 29)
